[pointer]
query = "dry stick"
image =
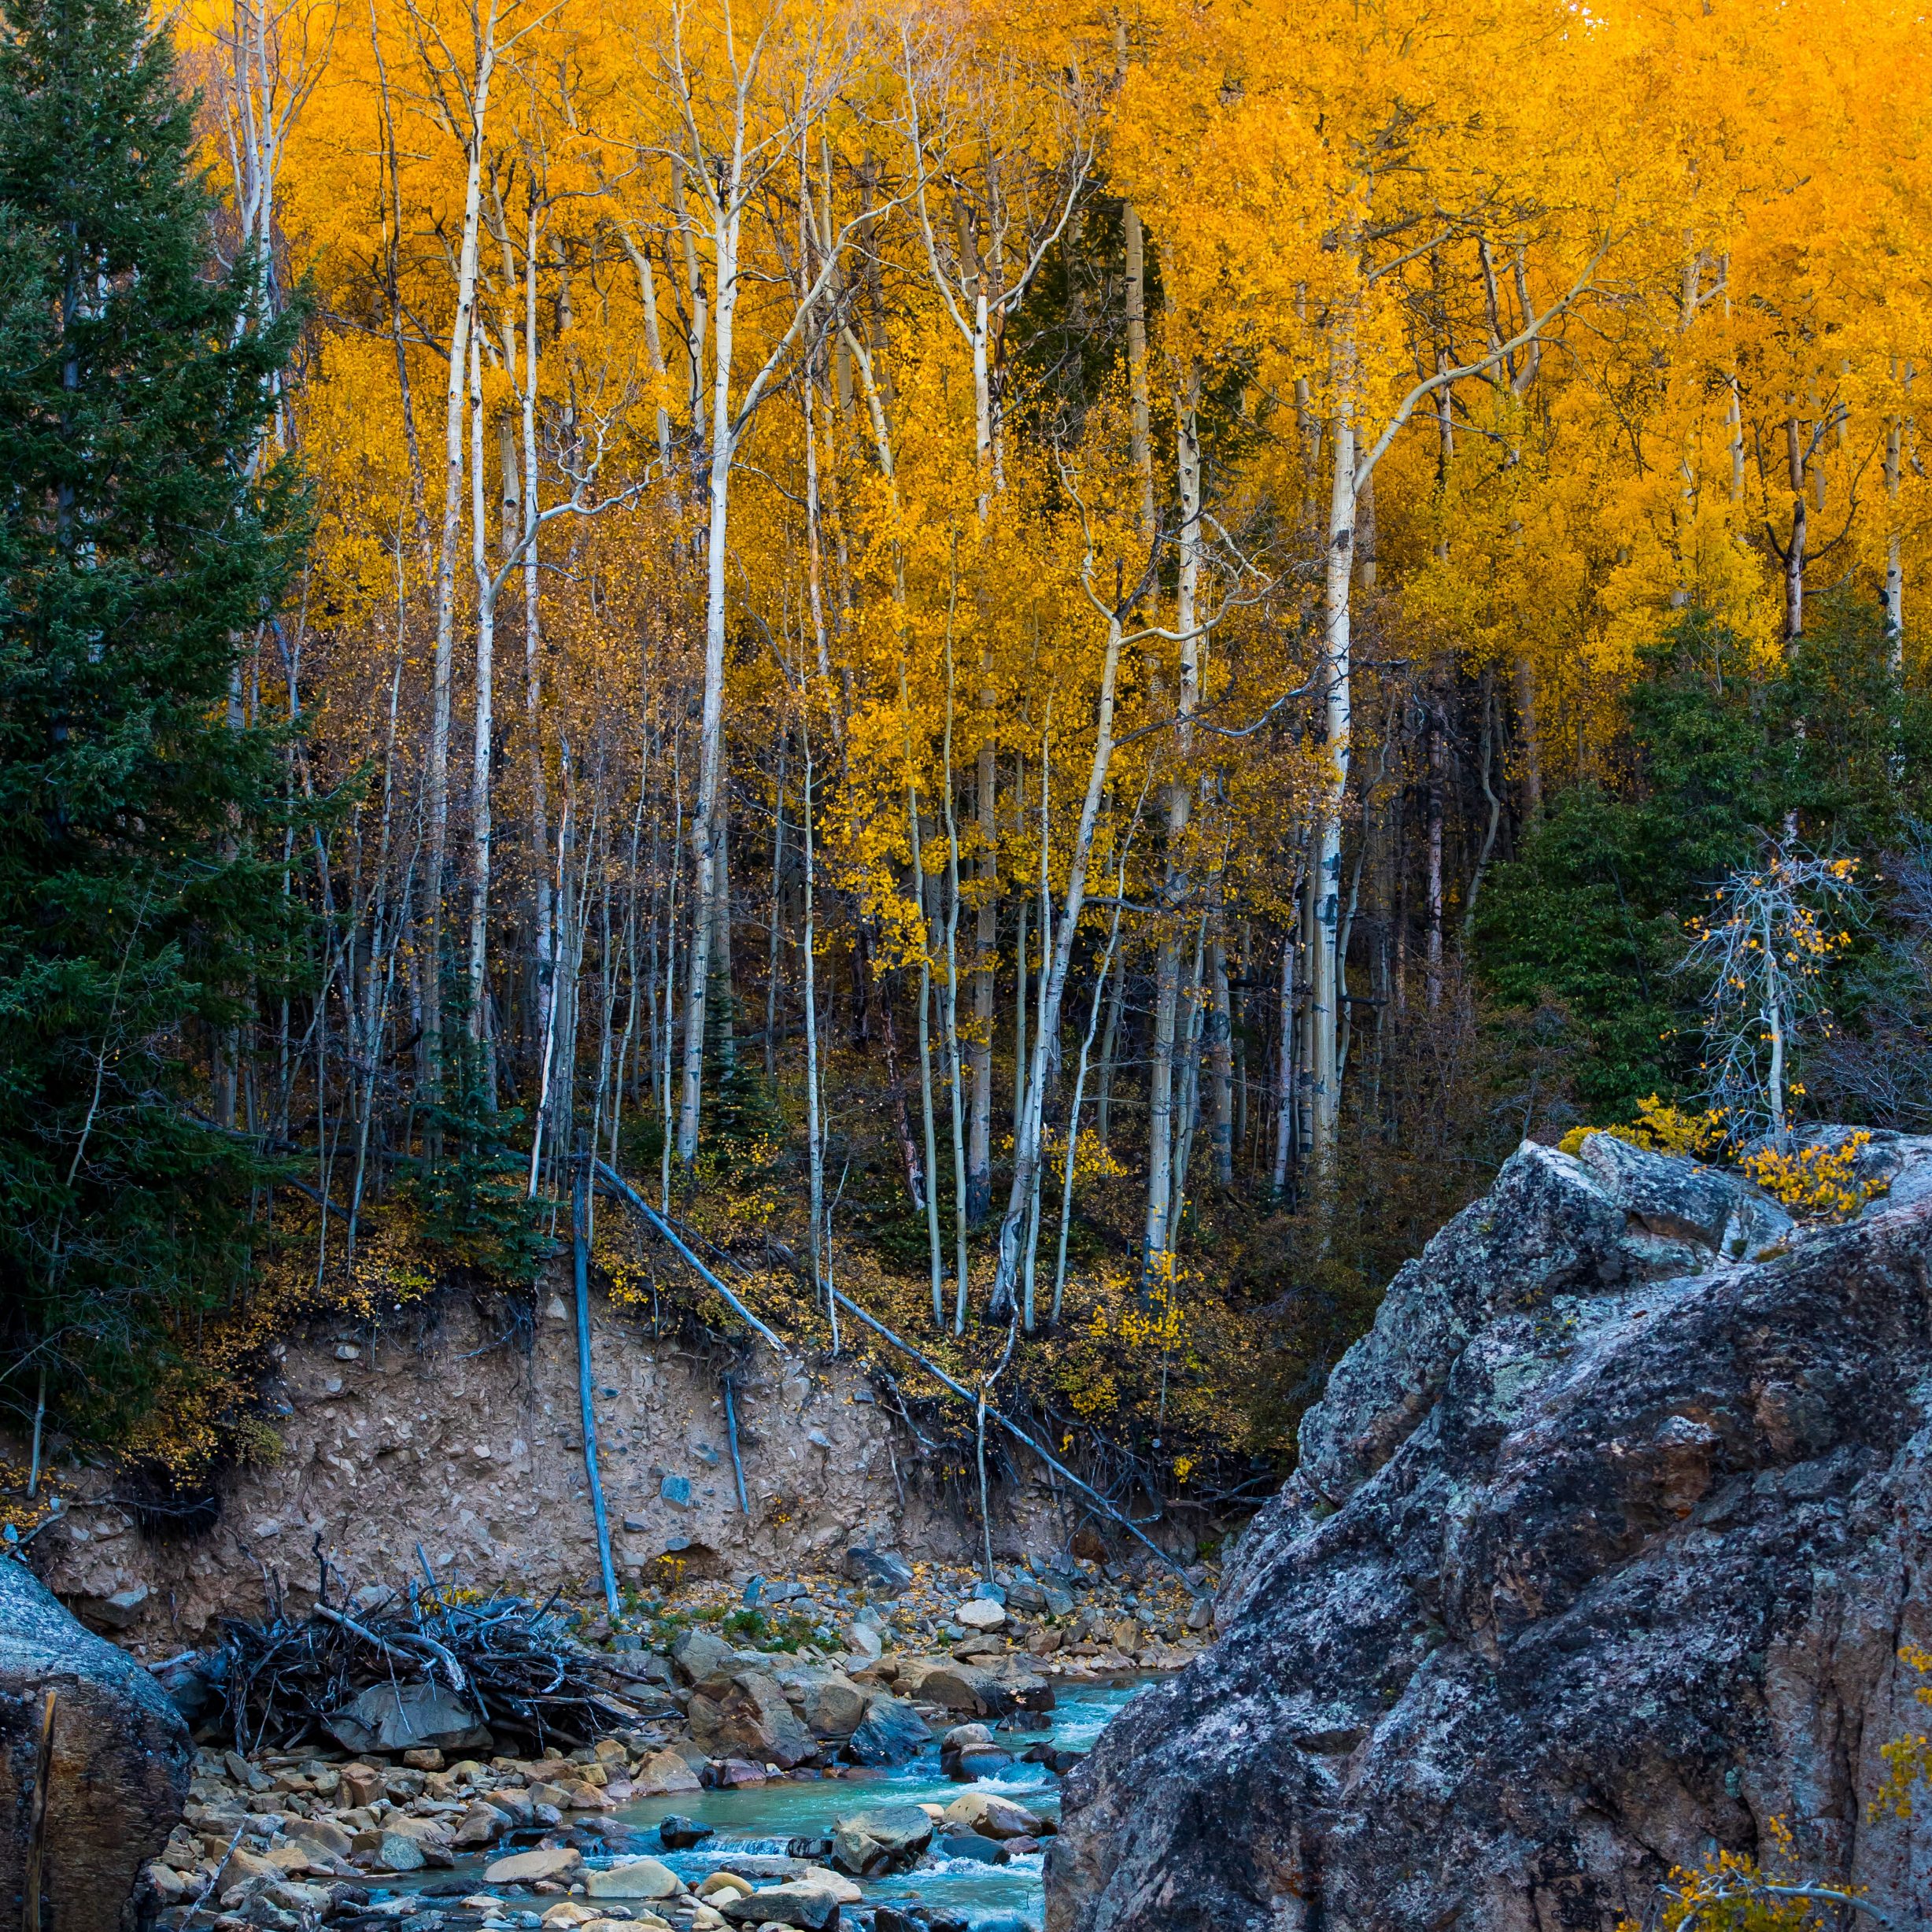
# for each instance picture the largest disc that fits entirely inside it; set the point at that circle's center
(221, 1865)
(580, 1255)
(1824, 1894)
(457, 1681)
(37, 1828)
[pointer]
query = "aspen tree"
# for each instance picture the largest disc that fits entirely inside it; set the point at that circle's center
(733, 139)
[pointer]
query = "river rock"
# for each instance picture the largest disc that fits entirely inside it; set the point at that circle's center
(118, 1766)
(679, 1834)
(891, 1732)
(830, 1703)
(407, 1717)
(528, 1868)
(884, 1837)
(750, 1716)
(811, 1908)
(979, 1614)
(1600, 1552)
(663, 1774)
(400, 1851)
(836, 1883)
(637, 1878)
(970, 1845)
(992, 1816)
(864, 1644)
(969, 1687)
(323, 1833)
(878, 1569)
(698, 1654)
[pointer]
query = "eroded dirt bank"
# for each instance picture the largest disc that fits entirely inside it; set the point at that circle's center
(463, 1434)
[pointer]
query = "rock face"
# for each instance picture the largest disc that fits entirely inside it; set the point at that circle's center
(118, 1772)
(1601, 1548)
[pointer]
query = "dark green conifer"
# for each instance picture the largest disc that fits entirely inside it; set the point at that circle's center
(144, 544)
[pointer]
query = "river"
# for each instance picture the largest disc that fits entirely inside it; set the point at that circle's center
(991, 1898)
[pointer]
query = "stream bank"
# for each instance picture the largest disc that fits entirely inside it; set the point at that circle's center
(261, 1857)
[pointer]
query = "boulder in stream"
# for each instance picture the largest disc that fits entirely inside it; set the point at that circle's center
(885, 1838)
(810, 1907)
(891, 1732)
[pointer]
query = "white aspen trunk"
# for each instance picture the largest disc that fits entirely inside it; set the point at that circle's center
(438, 775)
(949, 1009)
(654, 344)
(1023, 935)
(1140, 446)
(1894, 551)
(704, 819)
(1221, 1060)
(927, 922)
(985, 956)
(1158, 1236)
(1080, 1089)
(1795, 456)
(484, 720)
(814, 564)
(1047, 1030)
(777, 917)
(1240, 1020)
(1529, 738)
(383, 948)
(533, 647)
(814, 1132)
(624, 1050)
(1161, 1095)
(547, 1059)
(1284, 1072)
(860, 358)
(670, 970)
(1026, 1139)
(1433, 969)
(1190, 1107)
(1325, 883)
(694, 288)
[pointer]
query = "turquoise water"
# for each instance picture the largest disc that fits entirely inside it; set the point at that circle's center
(758, 1821)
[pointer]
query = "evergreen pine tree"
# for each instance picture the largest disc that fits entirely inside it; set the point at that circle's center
(142, 547)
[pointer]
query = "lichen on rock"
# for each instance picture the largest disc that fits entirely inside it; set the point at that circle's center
(1600, 1550)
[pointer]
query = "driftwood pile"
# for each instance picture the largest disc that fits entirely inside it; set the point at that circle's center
(439, 1662)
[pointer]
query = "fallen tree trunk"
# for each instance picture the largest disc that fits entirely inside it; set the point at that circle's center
(618, 1185)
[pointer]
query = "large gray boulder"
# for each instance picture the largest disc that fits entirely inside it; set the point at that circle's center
(1601, 1551)
(120, 1763)
(747, 1715)
(892, 1733)
(408, 1717)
